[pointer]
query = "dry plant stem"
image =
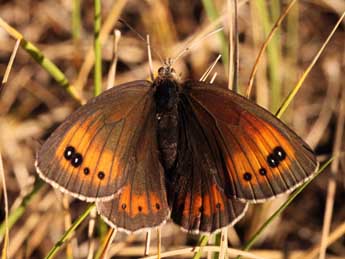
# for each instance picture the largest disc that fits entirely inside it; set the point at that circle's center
(147, 242)
(149, 56)
(264, 46)
(68, 233)
(184, 251)
(223, 243)
(159, 242)
(233, 47)
(208, 71)
(38, 56)
(6, 241)
(292, 94)
(213, 78)
(67, 221)
(112, 70)
(339, 232)
(91, 229)
(230, 19)
(107, 27)
(109, 239)
(252, 240)
(331, 188)
(333, 71)
(97, 48)
(10, 64)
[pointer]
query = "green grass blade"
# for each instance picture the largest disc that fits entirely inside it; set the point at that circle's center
(97, 48)
(67, 234)
(16, 214)
(202, 242)
(212, 13)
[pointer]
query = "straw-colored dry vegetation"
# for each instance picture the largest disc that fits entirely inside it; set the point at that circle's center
(32, 104)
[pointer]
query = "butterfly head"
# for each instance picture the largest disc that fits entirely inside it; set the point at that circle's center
(167, 71)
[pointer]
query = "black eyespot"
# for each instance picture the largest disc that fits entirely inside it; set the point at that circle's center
(262, 171)
(272, 160)
(86, 170)
(101, 175)
(69, 152)
(218, 205)
(76, 160)
(247, 176)
(280, 153)
(140, 208)
(158, 206)
(201, 209)
(123, 206)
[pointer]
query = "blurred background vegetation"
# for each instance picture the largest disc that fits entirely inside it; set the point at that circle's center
(32, 104)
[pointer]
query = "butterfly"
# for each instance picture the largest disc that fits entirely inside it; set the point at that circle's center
(190, 151)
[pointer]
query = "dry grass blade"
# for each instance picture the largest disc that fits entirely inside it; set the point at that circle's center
(2, 172)
(91, 229)
(187, 251)
(112, 70)
(148, 242)
(331, 189)
(338, 233)
(10, 63)
(37, 55)
(292, 94)
(208, 71)
(6, 240)
(264, 46)
(108, 241)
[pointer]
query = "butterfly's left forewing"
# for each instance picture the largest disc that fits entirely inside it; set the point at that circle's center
(261, 156)
(88, 155)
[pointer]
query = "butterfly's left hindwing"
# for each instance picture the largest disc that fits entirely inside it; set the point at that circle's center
(261, 157)
(142, 202)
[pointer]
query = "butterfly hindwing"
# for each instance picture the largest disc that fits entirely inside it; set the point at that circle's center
(142, 202)
(261, 156)
(88, 155)
(198, 204)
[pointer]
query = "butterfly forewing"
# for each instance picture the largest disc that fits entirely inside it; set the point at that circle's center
(88, 155)
(261, 157)
(142, 202)
(198, 204)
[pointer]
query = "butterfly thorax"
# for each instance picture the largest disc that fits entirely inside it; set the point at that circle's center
(166, 98)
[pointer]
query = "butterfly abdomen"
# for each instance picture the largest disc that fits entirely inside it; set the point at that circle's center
(166, 98)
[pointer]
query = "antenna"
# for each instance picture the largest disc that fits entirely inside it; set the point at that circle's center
(140, 37)
(195, 43)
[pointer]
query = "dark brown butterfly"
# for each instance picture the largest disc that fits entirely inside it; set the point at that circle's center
(147, 151)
